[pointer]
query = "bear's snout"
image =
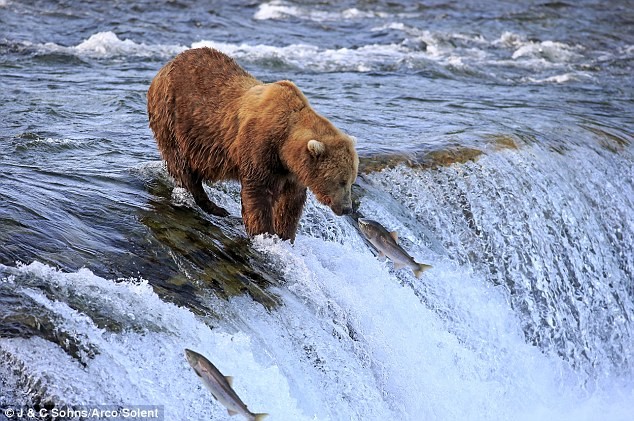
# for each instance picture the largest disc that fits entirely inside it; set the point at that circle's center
(341, 209)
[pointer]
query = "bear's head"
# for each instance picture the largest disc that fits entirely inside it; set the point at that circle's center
(332, 166)
(322, 157)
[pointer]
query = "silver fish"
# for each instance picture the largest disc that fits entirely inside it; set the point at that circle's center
(219, 386)
(386, 244)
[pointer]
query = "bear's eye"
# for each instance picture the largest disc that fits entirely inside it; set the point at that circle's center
(342, 184)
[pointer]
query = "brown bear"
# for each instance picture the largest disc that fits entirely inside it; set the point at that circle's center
(214, 121)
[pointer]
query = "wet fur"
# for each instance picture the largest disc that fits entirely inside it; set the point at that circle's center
(213, 121)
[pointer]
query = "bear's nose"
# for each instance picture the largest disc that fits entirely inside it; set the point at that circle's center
(347, 210)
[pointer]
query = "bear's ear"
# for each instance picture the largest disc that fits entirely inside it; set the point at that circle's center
(354, 140)
(316, 148)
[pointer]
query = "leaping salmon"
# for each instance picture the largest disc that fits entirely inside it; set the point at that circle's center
(220, 386)
(386, 244)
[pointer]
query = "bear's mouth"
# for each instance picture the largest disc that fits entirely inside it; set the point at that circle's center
(340, 211)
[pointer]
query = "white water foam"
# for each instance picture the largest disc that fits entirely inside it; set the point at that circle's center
(108, 44)
(311, 58)
(549, 50)
(627, 51)
(144, 364)
(476, 47)
(304, 56)
(277, 10)
(566, 77)
(554, 52)
(558, 239)
(540, 56)
(354, 339)
(419, 50)
(371, 329)
(49, 143)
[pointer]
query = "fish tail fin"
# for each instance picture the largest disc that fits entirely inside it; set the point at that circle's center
(421, 268)
(260, 417)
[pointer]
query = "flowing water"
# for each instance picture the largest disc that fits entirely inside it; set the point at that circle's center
(495, 137)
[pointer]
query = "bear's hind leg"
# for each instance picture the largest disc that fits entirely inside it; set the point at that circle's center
(195, 186)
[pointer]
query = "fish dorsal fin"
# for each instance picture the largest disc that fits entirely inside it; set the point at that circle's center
(229, 380)
(394, 235)
(231, 412)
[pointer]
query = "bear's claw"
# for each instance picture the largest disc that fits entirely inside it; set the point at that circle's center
(214, 209)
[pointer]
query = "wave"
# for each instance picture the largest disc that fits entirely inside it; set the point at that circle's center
(549, 50)
(102, 45)
(29, 141)
(128, 348)
(420, 50)
(553, 52)
(312, 58)
(508, 46)
(108, 45)
(558, 79)
(105, 45)
(277, 10)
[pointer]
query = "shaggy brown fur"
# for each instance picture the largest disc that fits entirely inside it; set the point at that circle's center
(214, 121)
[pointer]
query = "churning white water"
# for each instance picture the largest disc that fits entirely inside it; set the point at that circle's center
(526, 313)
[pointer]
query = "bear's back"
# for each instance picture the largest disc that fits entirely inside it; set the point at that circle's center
(206, 86)
(210, 62)
(204, 78)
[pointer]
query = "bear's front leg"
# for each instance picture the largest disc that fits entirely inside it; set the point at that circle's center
(256, 208)
(287, 210)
